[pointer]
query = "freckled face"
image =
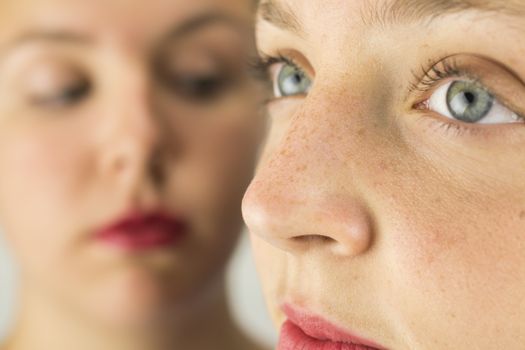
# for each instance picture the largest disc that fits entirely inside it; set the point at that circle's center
(113, 106)
(390, 198)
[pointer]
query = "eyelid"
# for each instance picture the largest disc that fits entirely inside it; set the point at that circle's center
(291, 57)
(68, 95)
(48, 81)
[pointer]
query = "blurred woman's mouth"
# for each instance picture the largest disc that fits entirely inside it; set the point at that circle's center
(144, 231)
(310, 332)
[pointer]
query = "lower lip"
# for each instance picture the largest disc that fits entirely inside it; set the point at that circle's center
(143, 237)
(293, 338)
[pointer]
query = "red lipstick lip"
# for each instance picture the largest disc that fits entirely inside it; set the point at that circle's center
(138, 231)
(314, 332)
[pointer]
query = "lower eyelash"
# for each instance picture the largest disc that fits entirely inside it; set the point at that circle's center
(453, 129)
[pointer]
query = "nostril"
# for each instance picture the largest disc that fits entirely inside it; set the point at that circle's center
(311, 242)
(314, 239)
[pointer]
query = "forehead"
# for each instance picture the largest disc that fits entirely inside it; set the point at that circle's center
(138, 18)
(386, 11)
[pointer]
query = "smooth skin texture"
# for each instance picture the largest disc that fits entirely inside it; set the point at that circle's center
(113, 106)
(371, 206)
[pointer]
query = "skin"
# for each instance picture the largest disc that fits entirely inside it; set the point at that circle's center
(391, 220)
(72, 166)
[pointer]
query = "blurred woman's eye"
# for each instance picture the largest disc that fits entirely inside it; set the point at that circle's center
(65, 96)
(470, 102)
(290, 80)
(53, 83)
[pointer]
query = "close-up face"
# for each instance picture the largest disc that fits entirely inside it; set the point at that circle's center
(118, 116)
(388, 208)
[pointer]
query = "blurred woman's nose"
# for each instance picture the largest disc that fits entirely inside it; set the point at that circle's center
(132, 131)
(297, 201)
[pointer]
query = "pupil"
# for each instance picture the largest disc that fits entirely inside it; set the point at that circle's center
(470, 97)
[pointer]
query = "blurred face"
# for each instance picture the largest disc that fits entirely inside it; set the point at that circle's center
(112, 110)
(389, 203)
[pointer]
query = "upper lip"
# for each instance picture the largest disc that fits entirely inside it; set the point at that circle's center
(317, 327)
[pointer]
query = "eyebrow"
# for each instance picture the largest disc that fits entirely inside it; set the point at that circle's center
(62, 36)
(394, 12)
(403, 11)
(51, 36)
(280, 15)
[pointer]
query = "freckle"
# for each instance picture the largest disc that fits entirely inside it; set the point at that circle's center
(301, 168)
(384, 166)
(361, 132)
(522, 215)
(284, 153)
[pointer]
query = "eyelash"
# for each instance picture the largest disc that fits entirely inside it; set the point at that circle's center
(260, 65)
(430, 76)
(435, 73)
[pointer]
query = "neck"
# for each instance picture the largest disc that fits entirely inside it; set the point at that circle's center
(44, 324)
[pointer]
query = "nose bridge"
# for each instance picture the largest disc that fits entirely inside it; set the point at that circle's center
(132, 131)
(136, 107)
(321, 141)
(140, 123)
(299, 191)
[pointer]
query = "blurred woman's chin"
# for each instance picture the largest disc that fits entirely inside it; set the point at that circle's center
(137, 298)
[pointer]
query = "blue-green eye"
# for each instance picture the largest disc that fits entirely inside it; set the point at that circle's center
(470, 102)
(291, 81)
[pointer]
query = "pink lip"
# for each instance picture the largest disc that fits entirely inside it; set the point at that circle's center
(139, 231)
(310, 332)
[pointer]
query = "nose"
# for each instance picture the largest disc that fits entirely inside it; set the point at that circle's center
(300, 200)
(131, 134)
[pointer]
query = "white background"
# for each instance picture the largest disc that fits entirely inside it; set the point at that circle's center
(245, 296)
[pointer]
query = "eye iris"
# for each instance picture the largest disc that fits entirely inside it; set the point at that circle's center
(292, 81)
(468, 102)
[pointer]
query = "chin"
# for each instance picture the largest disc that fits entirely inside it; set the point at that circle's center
(136, 300)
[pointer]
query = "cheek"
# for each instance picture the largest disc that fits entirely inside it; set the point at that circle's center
(220, 164)
(37, 189)
(454, 252)
(208, 179)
